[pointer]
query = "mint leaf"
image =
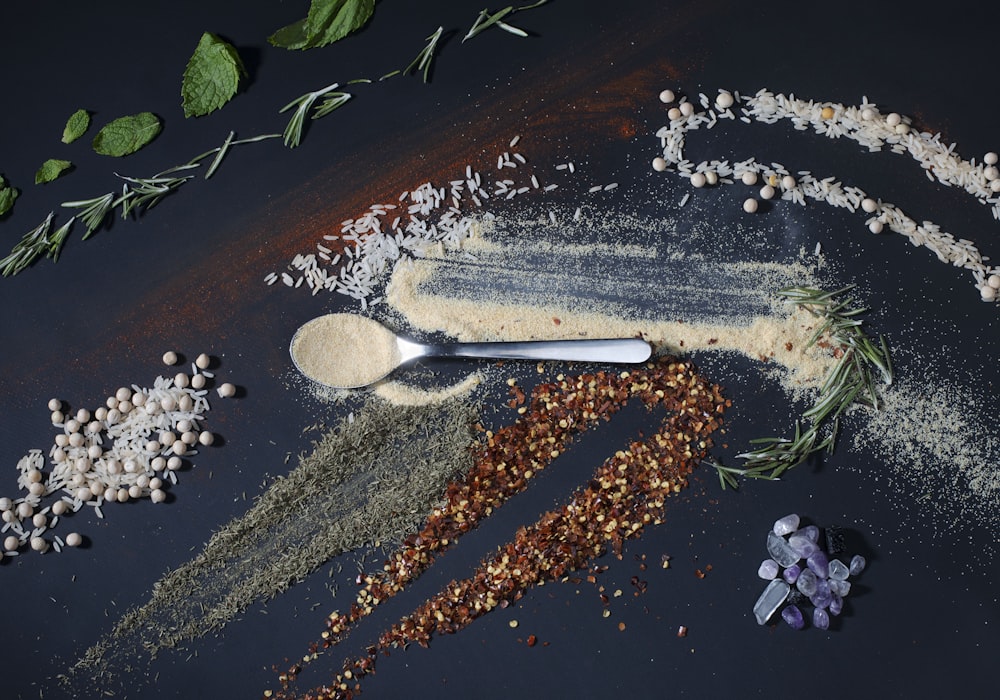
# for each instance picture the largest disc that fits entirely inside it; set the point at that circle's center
(291, 37)
(126, 135)
(50, 170)
(328, 21)
(212, 76)
(7, 196)
(76, 126)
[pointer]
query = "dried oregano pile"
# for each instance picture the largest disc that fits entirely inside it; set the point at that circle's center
(371, 478)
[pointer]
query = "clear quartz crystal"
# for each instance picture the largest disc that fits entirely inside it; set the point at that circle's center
(780, 550)
(786, 525)
(838, 570)
(857, 564)
(841, 588)
(770, 600)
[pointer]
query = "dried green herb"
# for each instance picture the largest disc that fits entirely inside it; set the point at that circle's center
(126, 135)
(50, 170)
(370, 479)
(212, 76)
(851, 380)
(76, 126)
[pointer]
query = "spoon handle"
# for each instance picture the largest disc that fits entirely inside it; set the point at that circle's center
(627, 350)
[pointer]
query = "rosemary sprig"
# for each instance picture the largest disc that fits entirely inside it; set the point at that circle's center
(851, 380)
(137, 193)
(93, 211)
(302, 105)
(486, 19)
(33, 244)
(426, 56)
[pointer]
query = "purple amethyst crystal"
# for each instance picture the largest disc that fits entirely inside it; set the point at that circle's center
(836, 605)
(802, 545)
(810, 532)
(807, 583)
(793, 617)
(821, 619)
(819, 563)
(791, 574)
(822, 597)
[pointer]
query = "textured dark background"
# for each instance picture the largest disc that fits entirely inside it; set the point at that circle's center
(924, 620)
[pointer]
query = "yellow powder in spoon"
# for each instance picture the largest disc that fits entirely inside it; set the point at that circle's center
(345, 350)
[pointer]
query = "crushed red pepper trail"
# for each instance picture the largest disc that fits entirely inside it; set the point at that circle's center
(627, 493)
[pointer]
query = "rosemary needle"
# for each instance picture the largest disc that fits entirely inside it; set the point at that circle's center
(302, 105)
(485, 20)
(426, 56)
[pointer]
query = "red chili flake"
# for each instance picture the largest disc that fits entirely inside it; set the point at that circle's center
(532, 640)
(788, 346)
(598, 519)
(682, 631)
(556, 320)
(708, 567)
(699, 573)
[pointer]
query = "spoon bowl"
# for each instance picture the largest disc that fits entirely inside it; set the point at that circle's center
(348, 351)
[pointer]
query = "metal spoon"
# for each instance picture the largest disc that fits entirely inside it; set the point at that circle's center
(605, 350)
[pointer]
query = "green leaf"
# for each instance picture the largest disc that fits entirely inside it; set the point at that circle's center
(212, 76)
(126, 135)
(7, 196)
(50, 170)
(291, 37)
(328, 21)
(76, 126)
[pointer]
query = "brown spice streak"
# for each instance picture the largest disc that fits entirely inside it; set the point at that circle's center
(627, 492)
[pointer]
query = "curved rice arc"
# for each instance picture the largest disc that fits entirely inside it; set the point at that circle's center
(829, 190)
